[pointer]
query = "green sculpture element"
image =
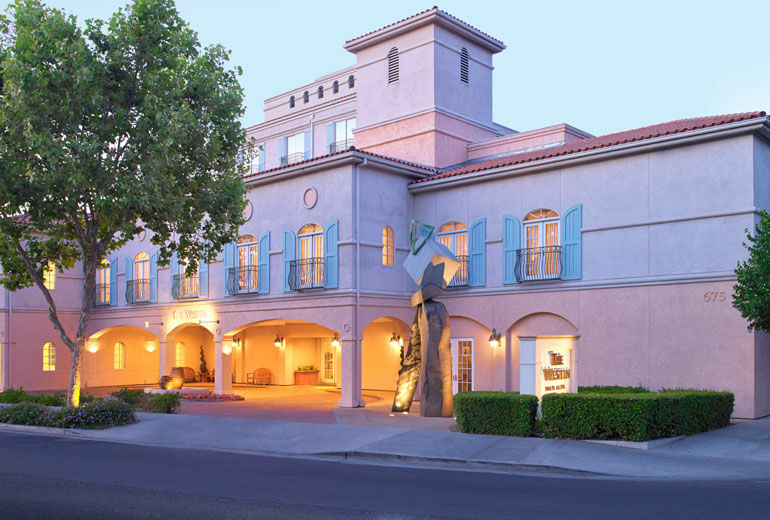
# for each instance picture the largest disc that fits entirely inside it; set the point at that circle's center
(419, 233)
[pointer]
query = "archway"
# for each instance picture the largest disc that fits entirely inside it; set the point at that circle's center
(381, 352)
(189, 345)
(120, 355)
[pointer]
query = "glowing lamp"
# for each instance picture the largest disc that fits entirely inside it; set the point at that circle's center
(336, 341)
(396, 341)
(227, 349)
(234, 344)
(146, 324)
(149, 346)
(93, 346)
(177, 381)
(278, 341)
(494, 338)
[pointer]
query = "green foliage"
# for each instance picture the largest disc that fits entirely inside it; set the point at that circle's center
(97, 415)
(14, 395)
(305, 368)
(204, 367)
(635, 416)
(31, 414)
(162, 403)
(612, 390)
(751, 294)
(496, 413)
(133, 398)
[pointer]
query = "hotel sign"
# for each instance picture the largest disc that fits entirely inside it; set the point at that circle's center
(555, 370)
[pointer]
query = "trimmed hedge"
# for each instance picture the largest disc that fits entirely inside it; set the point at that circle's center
(94, 416)
(140, 401)
(496, 413)
(612, 390)
(19, 395)
(635, 416)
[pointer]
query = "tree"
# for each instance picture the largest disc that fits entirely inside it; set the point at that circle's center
(106, 131)
(751, 295)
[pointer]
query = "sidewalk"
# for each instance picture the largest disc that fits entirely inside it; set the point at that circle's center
(739, 452)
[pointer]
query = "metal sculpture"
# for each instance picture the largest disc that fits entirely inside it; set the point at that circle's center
(428, 355)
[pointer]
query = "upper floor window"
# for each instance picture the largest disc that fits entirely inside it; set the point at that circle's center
(343, 135)
(102, 296)
(351, 81)
(257, 158)
(541, 255)
(393, 65)
(291, 102)
(305, 97)
(464, 65)
(49, 276)
(49, 357)
(119, 356)
(454, 235)
(185, 286)
(320, 91)
(387, 246)
(335, 87)
(295, 149)
(247, 258)
(142, 277)
(311, 256)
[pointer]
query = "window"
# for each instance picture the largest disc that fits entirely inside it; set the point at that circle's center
(295, 148)
(311, 255)
(351, 81)
(119, 356)
(186, 286)
(142, 277)
(247, 263)
(179, 358)
(343, 135)
(464, 65)
(320, 91)
(387, 245)
(335, 87)
(291, 102)
(305, 96)
(49, 357)
(102, 296)
(541, 240)
(49, 276)
(393, 65)
(454, 235)
(257, 158)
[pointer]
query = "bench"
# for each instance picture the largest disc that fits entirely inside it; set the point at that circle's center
(261, 376)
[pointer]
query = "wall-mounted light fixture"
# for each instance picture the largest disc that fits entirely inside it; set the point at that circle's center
(147, 324)
(396, 341)
(149, 345)
(336, 341)
(92, 346)
(201, 322)
(494, 339)
(278, 342)
(227, 348)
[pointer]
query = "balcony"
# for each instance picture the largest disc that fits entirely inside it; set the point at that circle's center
(242, 280)
(102, 294)
(307, 273)
(184, 287)
(292, 158)
(460, 278)
(138, 291)
(538, 263)
(340, 145)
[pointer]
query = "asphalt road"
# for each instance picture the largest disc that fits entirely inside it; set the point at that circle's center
(54, 477)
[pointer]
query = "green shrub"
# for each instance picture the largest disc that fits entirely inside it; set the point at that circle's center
(305, 368)
(31, 414)
(97, 415)
(612, 390)
(162, 403)
(133, 398)
(496, 413)
(635, 416)
(14, 395)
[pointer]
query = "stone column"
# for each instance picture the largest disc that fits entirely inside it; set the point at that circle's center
(166, 356)
(508, 385)
(223, 377)
(528, 364)
(351, 374)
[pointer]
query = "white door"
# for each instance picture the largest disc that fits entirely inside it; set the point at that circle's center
(462, 365)
(328, 364)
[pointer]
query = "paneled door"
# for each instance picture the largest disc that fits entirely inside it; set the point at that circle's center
(462, 365)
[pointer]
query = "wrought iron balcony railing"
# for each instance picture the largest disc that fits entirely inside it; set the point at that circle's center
(340, 145)
(184, 287)
(538, 263)
(307, 273)
(102, 294)
(242, 280)
(138, 291)
(292, 158)
(461, 276)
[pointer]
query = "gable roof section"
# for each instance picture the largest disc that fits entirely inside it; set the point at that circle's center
(603, 141)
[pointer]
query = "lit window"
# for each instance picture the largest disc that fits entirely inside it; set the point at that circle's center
(248, 261)
(179, 359)
(320, 91)
(454, 235)
(119, 362)
(49, 276)
(311, 254)
(542, 258)
(393, 65)
(387, 245)
(102, 296)
(186, 286)
(291, 102)
(49, 357)
(141, 280)
(335, 87)
(464, 65)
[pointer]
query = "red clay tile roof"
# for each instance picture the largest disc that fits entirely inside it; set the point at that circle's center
(603, 141)
(434, 9)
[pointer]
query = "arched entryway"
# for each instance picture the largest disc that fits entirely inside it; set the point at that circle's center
(381, 353)
(121, 355)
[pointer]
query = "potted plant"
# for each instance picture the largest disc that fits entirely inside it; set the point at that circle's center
(204, 369)
(306, 375)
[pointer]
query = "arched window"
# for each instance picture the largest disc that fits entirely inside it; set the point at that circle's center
(49, 357)
(351, 81)
(387, 245)
(393, 65)
(320, 91)
(142, 277)
(311, 255)
(119, 356)
(248, 261)
(186, 286)
(179, 359)
(335, 87)
(291, 102)
(541, 243)
(102, 296)
(454, 235)
(305, 96)
(49, 276)
(464, 65)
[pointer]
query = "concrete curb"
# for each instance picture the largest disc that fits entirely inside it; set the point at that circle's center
(645, 445)
(42, 430)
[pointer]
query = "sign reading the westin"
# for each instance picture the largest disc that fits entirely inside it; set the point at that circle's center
(555, 370)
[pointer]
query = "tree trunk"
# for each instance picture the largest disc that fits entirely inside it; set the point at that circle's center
(73, 390)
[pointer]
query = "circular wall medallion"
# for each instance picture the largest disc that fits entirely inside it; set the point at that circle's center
(141, 235)
(247, 211)
(310, 197)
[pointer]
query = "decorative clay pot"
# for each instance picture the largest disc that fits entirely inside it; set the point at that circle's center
(306, 377)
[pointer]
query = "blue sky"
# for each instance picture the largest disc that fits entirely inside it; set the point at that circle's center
(600, 66)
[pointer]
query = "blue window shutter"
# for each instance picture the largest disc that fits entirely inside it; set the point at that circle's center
(229, 263)
(477, 261)
(511, 240)
(330, 137)
(331, 258)
(114, 281)
(308, 145)
(173, 270)
(154, 277)
(129, 275)
(289, 250)
(263, 264)
(571, 243)
(262, 152)
(203, 279)
(281, 149)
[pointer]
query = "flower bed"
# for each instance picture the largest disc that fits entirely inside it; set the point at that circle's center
(210, 397)
(93, 416)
